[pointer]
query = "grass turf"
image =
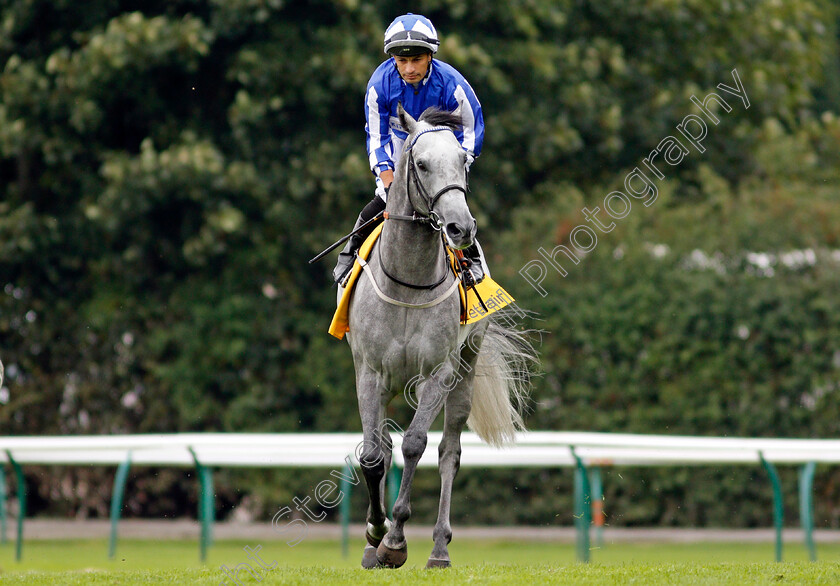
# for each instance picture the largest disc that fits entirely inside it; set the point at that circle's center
(476, 562)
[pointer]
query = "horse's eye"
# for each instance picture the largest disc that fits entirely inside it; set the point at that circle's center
(421, 165)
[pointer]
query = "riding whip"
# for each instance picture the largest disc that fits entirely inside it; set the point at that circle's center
(344, 239)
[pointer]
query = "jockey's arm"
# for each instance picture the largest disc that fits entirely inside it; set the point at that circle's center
(387, 177)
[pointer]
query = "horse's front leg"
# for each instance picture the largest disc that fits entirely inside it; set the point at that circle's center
(393, 551)
(457, 411)
(374, 457)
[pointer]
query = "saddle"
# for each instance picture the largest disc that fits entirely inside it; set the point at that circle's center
(477, 302)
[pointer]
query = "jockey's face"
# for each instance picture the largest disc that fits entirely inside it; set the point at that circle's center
(413, 69)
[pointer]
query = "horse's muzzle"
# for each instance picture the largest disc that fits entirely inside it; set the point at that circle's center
(460, 236)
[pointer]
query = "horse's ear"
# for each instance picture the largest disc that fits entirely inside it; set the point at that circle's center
(408, 123)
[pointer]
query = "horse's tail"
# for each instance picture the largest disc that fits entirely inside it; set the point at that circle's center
(503, 373)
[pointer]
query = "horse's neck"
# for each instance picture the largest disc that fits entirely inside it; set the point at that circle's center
(411, 251)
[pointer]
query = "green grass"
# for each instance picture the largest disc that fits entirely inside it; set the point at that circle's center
(476, 562)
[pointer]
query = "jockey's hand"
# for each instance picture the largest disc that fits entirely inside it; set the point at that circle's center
(470, 160)
(381, 192)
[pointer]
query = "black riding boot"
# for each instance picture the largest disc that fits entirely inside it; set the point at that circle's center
(473, 255)
(348, 255)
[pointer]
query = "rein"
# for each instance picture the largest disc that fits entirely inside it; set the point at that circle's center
(409, 285)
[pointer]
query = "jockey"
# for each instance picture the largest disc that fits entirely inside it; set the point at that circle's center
(411, 76)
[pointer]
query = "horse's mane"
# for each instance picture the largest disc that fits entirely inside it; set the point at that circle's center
(438, 117)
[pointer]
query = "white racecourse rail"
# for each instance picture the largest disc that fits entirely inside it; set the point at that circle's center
(544, 449)
(535, 448)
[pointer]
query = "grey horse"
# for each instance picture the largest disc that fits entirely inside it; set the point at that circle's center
(405, 332)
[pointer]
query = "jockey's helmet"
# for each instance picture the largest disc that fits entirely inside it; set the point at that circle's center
(411, 34)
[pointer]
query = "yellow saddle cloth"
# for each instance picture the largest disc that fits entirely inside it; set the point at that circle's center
(493, 295)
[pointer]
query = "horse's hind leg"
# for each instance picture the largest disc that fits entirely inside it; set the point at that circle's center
(374, 458)
(393, 551)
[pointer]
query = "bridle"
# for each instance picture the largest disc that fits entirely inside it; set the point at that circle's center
(431, 217)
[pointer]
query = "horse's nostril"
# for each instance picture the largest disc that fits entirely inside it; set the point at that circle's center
(455, 230)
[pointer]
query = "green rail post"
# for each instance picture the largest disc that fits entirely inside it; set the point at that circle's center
(21, 492)
(394, 481)
(583, 508)
(344, 507)
(206, 506)
(2, 505)
(778, 505)
(597, 504)
(205, 475)
(806, 506)
(117, 502)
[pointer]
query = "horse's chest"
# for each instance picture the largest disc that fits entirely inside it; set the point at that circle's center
(401, 343)
(418, 349)
(405, 354)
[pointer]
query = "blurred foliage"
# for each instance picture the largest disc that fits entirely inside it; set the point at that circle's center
(169, 167)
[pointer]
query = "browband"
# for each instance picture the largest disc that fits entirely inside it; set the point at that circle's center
(422, 132)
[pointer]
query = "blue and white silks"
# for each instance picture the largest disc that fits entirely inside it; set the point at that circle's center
(443, 87)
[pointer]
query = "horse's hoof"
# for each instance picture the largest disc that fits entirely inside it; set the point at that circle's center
(369, 560)
(391, 558)
(438, 563)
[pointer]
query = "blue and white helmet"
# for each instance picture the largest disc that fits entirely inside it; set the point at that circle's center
(411, 34)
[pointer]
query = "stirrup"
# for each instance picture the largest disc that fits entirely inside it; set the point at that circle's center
(478, 269)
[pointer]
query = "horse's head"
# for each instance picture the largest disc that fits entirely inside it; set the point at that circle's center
(436, 176)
